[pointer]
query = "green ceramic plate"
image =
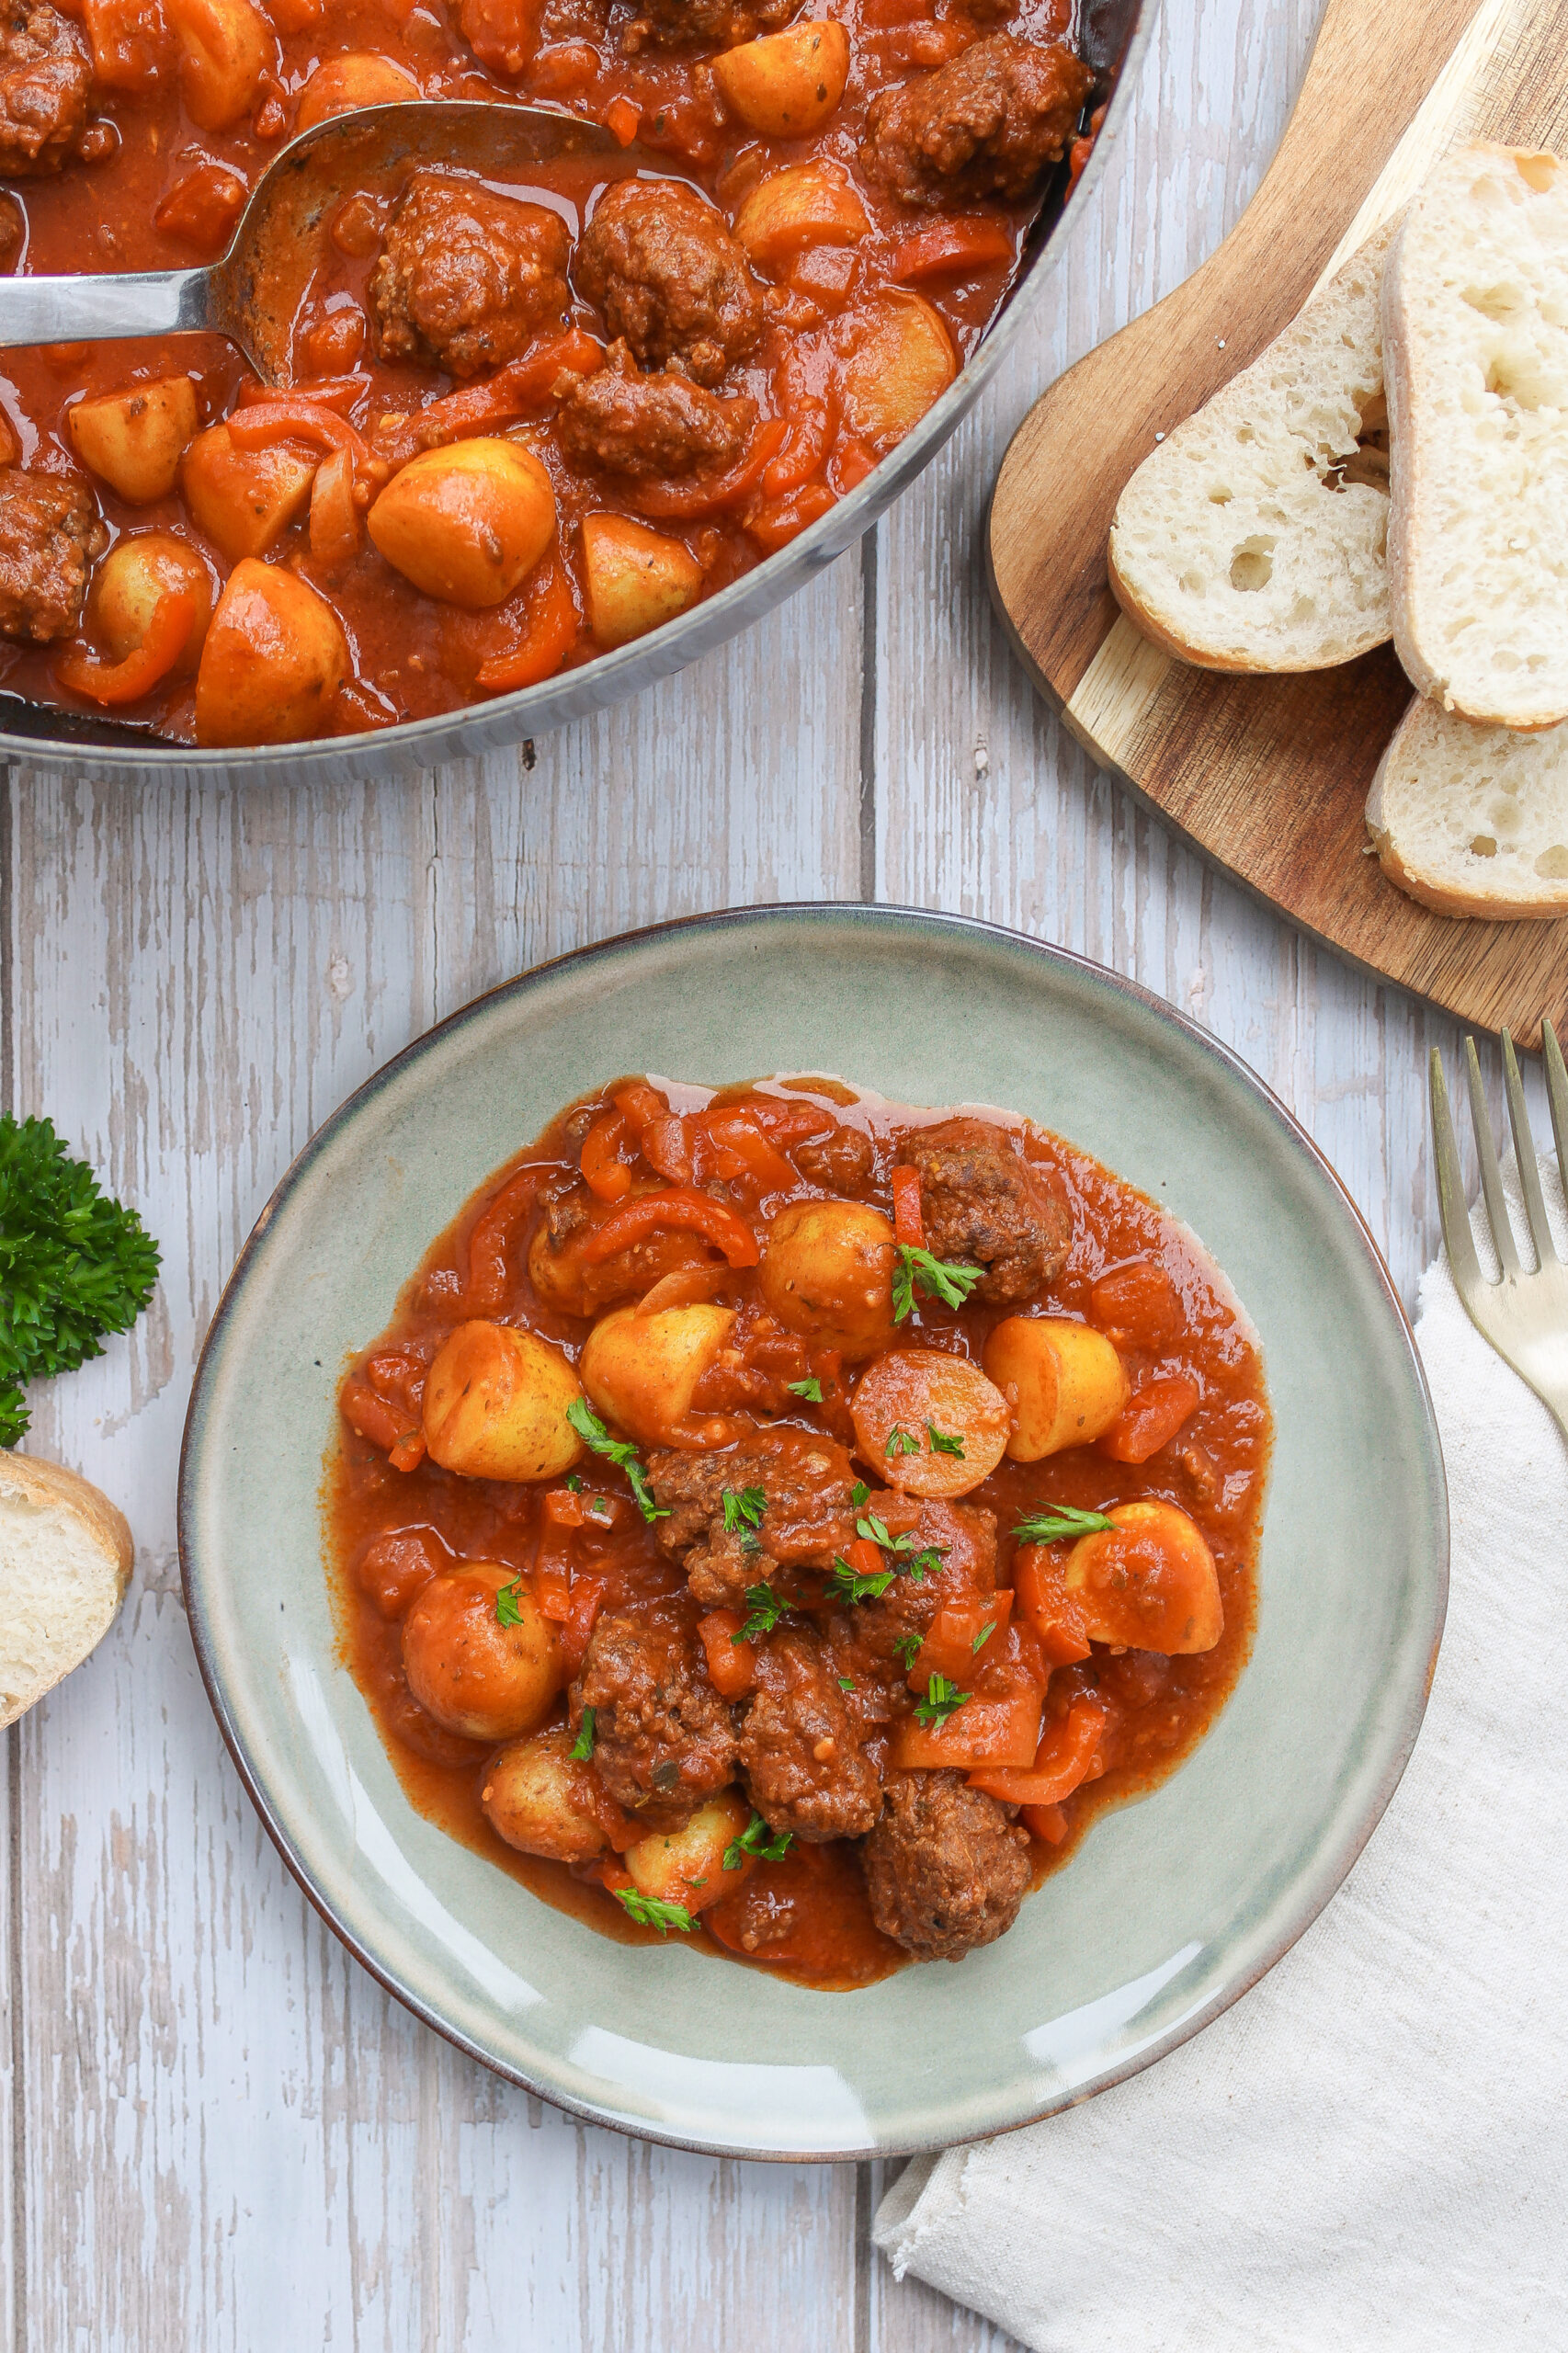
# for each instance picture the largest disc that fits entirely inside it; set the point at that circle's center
(1173, 1906)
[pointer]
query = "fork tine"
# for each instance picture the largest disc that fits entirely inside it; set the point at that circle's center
(1458, 1239)
(1556, 1095)
(1524, 1153)
(1490, 1175)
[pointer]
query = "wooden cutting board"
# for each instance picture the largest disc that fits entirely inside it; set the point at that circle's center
(1269, 775)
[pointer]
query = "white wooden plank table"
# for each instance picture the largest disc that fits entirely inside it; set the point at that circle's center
(216, 2132)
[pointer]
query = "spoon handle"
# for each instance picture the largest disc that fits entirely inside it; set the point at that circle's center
(99, 309)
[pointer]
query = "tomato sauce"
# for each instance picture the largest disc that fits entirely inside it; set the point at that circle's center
(1131, 1271)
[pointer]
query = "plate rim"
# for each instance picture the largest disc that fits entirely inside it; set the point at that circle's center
(874, 916)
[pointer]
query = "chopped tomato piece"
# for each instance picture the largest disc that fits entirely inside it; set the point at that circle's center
(908, 1225)
(732, 1664)
(657, 1213)
(385, 1426)
(1152, 1419)
(621, 118)
(1138, 1302)
(1065, 1758)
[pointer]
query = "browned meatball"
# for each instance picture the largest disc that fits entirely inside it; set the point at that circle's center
(663, 1739)
(49, 532)
(806, 1480)
(702, 24)
(984, 1205)
(13, 230)
(804, 1769)
(662, 266)
(841, 1162)
(640, 426)
(987, 125)
(890, 1628)
(46, 78)
(466, 279)
(944, 1868)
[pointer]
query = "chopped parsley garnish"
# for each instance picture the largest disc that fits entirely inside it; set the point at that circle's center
(900, 1442)
(848, 1584)
(507, 1612)
(942, 1443)
(930, 1559)
(1053, 1521)
(914, 1563)
(859, 1495)
(72, 1264)
(582, 1746)
(756, 1838)
(574, 1481)
(907, 1646)
(766, 1611)
(593, 1432)
(810, 1390)
(942, 1699)
(933, 1277)
(846, 1683)
(650, 1912)
(744, 1510)
(984, 1636)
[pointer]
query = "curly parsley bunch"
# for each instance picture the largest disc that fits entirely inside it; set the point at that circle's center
(73, 1264)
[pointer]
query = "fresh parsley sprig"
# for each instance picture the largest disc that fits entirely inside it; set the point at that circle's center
(1054, 1522)
(942, 1699)
(508, 1604)
(917, 1270)
(944, 1442)
(650, 1912)
(766, 1611)
(74, 1265)
(757, 1838)
(901, 1442)
(810, 1390)
(908, 1646)
(875, 1531)
(593, 1432)
(582, 1746)
(744, 1510)
(984, 1636)
(848, 1584)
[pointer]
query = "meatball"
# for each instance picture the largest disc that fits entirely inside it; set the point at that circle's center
(806, 1480)
(702, 24)
(46, 78)
(662, 266)
(983, 1204)
(945, 1868)
(12, 231)
(892, 1627)
(466, 278)
(640, 426)
(49, 532)
(985, 125)
(804, 1769)
(841, 1162)
(662, 1738)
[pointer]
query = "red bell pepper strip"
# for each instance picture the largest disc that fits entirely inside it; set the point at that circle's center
(908, 1225)
(168, 634)
(606, 1173)
(732, 1664)
(521, 385)
(551, 632)
(487, 1270)
(656, 1213)
(1064, 1758)
(707, 497)
(950, 247)
(373, 1419)
(587, 1594)
(297, 419)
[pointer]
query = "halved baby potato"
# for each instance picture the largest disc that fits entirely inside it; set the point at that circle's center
(688, 1866)
(929, 1423)
(225, 47)
(808, 204)
(135, 440)
(637, 579)
(1064, 1380)
(785, 85)
(827, 1270)
(273, 663)
(468, 523)
(475, 1675)
(1148, 1582)
(244, 499)
(344, 84)
(496, 1402)
(530, 1795)
(640, 1371)
(898, 360)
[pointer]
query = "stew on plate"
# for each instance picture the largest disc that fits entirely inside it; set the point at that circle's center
(526, 424)
(784, 1520)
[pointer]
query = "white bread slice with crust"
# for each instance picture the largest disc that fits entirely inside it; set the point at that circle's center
(1473, 821)
(65, 1560)
(1475, 339)
(1253, 538)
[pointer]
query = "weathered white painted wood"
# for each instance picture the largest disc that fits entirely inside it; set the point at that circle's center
(221, 2133)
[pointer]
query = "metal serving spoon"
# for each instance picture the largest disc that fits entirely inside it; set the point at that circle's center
(253, 294)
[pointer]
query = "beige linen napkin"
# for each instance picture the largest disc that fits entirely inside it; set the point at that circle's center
(1370, 2153)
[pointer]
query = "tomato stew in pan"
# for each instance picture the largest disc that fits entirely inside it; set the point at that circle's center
(526, 424)
(785, 1519)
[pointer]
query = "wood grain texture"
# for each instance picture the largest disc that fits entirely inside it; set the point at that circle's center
(217, 2134)
(1270, 774)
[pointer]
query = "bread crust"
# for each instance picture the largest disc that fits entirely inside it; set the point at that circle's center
(43, 1484)
(1197, 658)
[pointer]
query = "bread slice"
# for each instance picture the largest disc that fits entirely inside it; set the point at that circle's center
(66, 1559)
(1475, 334)
(1253, 538)
(1473, 821)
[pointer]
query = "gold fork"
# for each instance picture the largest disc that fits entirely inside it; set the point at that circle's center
(1524, 1313)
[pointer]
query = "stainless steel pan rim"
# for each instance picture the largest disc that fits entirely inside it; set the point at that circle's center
(106, 750)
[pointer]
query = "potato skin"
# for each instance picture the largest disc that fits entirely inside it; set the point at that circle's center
(900, 360)
(1064, 1383)
(129, 582)
(468, 523)
(225, 48)
(244, 499)
(688, 1866)
(473, 1675)
(636, 578)
(914, 1390)
(274, 660)
(344, 84)
(640, 1371)
(496, 1402)
(1148, 1582)
(785, 85)
(134, 440)
(530, 1800)
(828, 1269)
(805, 204)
